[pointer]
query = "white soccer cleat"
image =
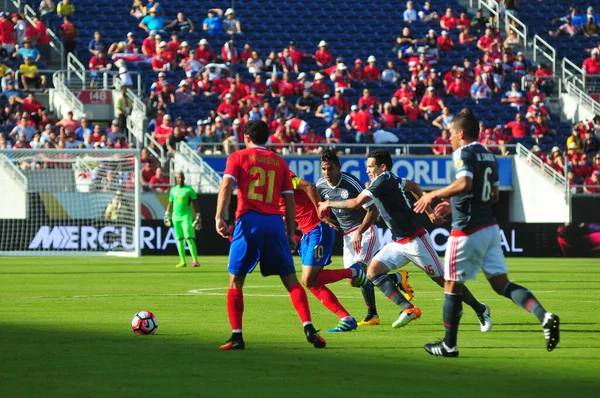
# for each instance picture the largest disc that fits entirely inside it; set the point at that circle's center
(406, 316)
(485, 319)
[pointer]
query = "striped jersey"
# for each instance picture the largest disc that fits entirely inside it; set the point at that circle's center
(348, 187)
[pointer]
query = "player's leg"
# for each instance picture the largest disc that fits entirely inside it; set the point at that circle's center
(276, 259)
(424, 256)
(390, 258)
(244, 254)
(179, 235)
(190, 237)
(494, 266)
(358, 260)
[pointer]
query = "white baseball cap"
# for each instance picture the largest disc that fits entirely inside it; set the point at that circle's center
(536, 99)
(555, 149)
(168, 117)
(430, 88)
(162, 74)
(301, 75)
(229, 11)
(318, 76)
(371, 59)
(228, 95)
(342, 67)
(184, 44)
(203, 41)
(322, 43)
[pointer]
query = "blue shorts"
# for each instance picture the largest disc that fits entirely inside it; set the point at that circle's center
(260, 237)
(316, 246)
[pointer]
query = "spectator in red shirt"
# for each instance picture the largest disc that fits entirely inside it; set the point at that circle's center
(7, 34)
(431, 103)
(246, 53)
(159, 182)
(98, 63)
(159, 62)
(404, 93)
(149, 44)
(163, 132)
(31, 104)
(581, 168)
(591, 185)
(295, 53)
(259, 85)
(229, 53)
(204, 55)
(544, 79)
(341, 104)
(228, 110)
(458, 88)
(464, 21)
(412, 110)
(372, 72)
(390, 119)
(485, 42)
(518, 127)
(591, 66)
(539, 129)
(442, 145)
(537, 151)
(333, 133)
(287, 87)
(341, 77)
(323, 56)
(358, 72)
(319, 88)
(367, 99)
(363, 122)
(449, 20)
(465, 37)
(311, 142)
(444, 42)
(69, 35)
(147, 173)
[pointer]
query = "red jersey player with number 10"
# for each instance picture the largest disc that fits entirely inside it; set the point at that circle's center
(260, 234)
(318, 238)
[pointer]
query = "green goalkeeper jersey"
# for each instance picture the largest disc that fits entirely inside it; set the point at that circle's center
(181, 197)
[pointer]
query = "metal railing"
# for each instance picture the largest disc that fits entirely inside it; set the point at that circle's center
(544, 49)
(55, 42)
(513, 24)
(542, 166)
(154, 148)
(62, 99)
(208, 172)
(491, 6)
(572, 73)
(17, 175)
(136, 121)
(583, 98)
(74, 66)
(526, 81)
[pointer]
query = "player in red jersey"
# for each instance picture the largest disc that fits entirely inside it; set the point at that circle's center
(260, 235)
(316, 246)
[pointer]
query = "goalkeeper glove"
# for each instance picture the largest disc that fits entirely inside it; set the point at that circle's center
(167, 219)
(197, 224)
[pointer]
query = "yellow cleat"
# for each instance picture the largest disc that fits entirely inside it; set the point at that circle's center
(405, 288)
(370, 320)
(180, 265)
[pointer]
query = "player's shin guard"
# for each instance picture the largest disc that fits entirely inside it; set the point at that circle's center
(329, 300)
(452, 314)
(525, 299)
(235, 309)
(193, 250)
(326, 277)
(368, 293)
(389, 288)
(181, 250)
(471, 301)
(300, 302)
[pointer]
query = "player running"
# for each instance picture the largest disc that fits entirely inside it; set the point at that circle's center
(411, 241)
(260, 235)
(474, 242)
(361, 240)
(184, 202)
(315, 250)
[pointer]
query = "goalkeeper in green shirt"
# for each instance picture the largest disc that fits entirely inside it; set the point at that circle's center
(184, 203)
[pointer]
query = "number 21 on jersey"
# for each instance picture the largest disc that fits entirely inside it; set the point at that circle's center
(267, 178)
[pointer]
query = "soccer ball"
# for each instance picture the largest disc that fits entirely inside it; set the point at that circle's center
(144, 322)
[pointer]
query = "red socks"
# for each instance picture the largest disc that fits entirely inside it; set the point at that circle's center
(300, 302)
(326, 277)
(235, 309)
(329, 300)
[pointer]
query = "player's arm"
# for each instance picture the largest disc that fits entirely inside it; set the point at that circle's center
(368, 221)
(361, 200)
(195, 208)
(417, 192)
(313, 193)
(461, 185)
(222, 202)
(167, 217)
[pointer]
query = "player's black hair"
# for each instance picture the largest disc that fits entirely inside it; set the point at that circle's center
(329, 156)
(381, 156)
(180, 174)
(468, 123)
(258, 131)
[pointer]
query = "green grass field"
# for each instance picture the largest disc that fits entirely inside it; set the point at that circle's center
(65, 331)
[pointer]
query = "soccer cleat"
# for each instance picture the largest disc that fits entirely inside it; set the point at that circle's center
(344, 326)
(406, 316)
(312, 336)
(551, 330)
(485, 319)
(407, 291)
(195, 264)
(232, 345)
(180, 265)
(370, 320)
(440, 349)
(360, 277)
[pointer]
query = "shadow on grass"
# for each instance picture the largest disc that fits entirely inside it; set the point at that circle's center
(51, 362)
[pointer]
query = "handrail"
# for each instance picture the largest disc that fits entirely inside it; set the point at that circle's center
(55, 43)
(583, 97)
(75, 66)
(106, 80)
(545, 168)
(509, 19)
(160, 155)
(526, 81)
(492, 6)
(67, 98)
(545, 49)
(207, 171)
(136, 121)
(17, 174)
(572, 73)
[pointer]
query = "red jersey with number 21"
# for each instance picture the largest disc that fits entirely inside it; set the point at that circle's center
(262, 177)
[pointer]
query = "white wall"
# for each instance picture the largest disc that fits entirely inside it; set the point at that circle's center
(13, 201)
(535, 198)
